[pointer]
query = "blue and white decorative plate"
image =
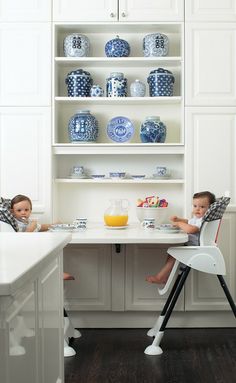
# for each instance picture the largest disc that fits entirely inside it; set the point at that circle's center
(120, 129)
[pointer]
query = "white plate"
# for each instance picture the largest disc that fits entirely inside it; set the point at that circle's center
(172, 231)
(116, 227)
(161, 177)
(63, 227)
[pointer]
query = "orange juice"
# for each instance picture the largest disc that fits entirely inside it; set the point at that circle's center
(116, 220)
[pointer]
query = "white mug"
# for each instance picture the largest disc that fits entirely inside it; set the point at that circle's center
(80, 223)
(148, 223)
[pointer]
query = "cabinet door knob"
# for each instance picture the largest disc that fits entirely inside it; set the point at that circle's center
(112, 14)
(123, 14)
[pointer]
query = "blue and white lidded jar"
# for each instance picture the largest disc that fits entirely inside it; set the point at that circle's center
(76, 45)
(153, 130)
(161, 82)
(116, 85)
(137, 89)
(117, 48)
(155, 44)
(78, 83)
(83, 127)
(96, 91)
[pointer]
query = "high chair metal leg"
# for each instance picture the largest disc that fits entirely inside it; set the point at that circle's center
(159, 321)
(154, 348)
(227, 293)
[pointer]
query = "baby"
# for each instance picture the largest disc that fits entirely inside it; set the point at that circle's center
(201, 203)
(21, 208)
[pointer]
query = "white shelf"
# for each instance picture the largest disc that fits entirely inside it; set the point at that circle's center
(119, 61)
(119, 100)
(126, 148)
(118, 181)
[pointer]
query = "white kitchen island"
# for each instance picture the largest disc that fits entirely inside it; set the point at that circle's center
(31, 301)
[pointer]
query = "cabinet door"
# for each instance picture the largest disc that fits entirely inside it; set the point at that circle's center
(151, 10)
(210, 64)
(25, 61)
(25, 137)
(210, 10)
(91, 267)
(211, 140)
(25, 10)
(50, 292)
(21, 333)
(143, 260)
(90, 10)
(203, 291)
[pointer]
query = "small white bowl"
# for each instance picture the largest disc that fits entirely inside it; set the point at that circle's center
(117, 174)
(98, 176)
(158, 213)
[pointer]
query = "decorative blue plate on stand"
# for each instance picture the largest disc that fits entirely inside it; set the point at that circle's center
(120, 129)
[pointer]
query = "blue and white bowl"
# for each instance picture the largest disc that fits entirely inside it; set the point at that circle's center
(76, 45)
(117, 48)
(83, 127)
(161, 83)
(155, 44)
(117, 175)
(78, 83)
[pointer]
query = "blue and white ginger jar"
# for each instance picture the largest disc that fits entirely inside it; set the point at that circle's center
(117, 48)
(153, 130)
(96, 91)
(83, 127)
(161, 83)
(116, 85)
(137, 89)
(76, 45)
(78, 83)
(155, 44)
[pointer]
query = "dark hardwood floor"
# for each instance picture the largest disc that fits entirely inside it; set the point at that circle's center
(116, 356)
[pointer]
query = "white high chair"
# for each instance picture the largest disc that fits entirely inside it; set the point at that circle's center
(206, 258)
(69, 332)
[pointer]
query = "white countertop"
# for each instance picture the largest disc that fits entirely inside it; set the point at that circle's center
(98, 233)
(23, 253)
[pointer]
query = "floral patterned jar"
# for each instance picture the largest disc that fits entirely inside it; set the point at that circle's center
(155, 44)
(117, 48)
(137, 89)
(153, 130)
(76, 45)
(116, 85)
(83, 127)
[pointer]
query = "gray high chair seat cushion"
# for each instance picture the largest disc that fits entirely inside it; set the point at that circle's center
(5, 214)
(216, 209)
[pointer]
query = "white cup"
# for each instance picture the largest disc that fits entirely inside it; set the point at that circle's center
(78, 170)
(148, 223)
(80, 223)
(162, 171)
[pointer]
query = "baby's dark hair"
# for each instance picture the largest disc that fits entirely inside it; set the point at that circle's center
(20, 198)
(206, 194)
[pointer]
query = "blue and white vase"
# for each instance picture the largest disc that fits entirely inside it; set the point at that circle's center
(96, 91)
(153, 130)
(161, 83)
(78, 83)
(155, 44)
(116, 85)
(137, 89)
(117, 48)
(83, 127)
(76, 45)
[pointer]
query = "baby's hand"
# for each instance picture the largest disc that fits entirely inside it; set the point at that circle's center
(174, 218)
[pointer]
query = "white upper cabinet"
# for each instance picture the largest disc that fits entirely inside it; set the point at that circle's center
(89, 10)
(118, 10)
(210, 64)
(151, 10)
(210, 10)
(211, 142)
(25, 10)
(25, 61)
(25, 155)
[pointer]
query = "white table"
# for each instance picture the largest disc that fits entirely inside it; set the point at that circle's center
(98, 233)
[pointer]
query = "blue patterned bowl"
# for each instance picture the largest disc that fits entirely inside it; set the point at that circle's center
(117, 48)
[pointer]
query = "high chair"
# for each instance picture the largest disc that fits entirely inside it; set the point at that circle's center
(206, 258)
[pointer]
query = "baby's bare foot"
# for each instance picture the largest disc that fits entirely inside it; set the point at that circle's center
(155, 279)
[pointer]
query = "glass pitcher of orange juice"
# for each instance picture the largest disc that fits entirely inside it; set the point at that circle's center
(117, 213)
